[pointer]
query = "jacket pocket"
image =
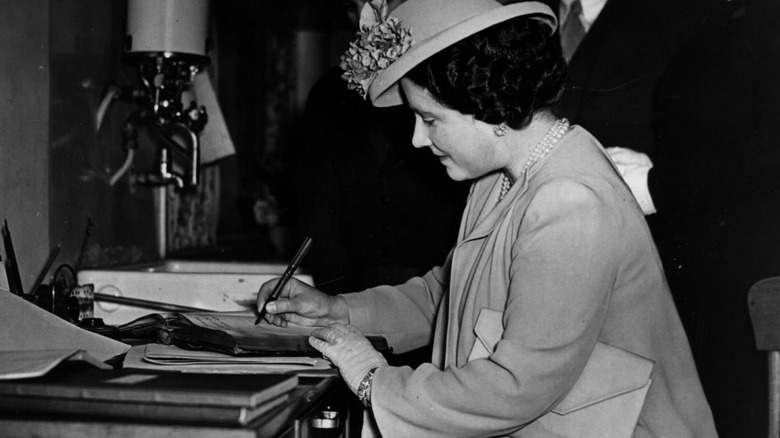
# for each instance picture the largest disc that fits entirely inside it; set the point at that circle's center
(606, 400)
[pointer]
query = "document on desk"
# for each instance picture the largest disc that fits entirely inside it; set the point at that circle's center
(171, 358)
(230, 415)
(131, 386)
(28, 327)
(233, 333)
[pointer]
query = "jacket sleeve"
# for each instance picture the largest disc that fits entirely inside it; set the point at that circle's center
(404, 314)
(562, 271)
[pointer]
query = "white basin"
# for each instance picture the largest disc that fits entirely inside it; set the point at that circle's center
(220, 286)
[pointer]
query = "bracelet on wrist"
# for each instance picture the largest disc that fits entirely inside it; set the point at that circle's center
(364, 388)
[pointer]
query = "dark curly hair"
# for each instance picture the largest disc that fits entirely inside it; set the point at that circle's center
(505, 73)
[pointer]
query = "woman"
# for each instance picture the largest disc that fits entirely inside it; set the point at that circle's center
(554, 264)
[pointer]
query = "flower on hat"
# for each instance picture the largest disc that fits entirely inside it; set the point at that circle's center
(380, 41)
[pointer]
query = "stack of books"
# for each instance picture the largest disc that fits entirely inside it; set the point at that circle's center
(148, 396)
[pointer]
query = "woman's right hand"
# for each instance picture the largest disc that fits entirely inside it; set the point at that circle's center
(301, 304)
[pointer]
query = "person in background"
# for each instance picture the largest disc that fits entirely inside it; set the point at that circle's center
(378, 210)
(553, 261)
(714, 185)
(684, 96)
(617, 51)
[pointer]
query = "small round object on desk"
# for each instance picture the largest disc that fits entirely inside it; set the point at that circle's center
(64, 279)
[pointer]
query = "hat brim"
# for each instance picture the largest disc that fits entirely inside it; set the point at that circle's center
(384, 90)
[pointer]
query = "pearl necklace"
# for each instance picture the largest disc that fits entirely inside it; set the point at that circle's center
(545, 145)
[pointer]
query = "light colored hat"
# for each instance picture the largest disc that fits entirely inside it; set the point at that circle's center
(437, 24)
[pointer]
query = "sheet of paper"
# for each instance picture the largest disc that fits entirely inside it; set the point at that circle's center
(242, 324)
(28, 327)
(25, 364)
(215, 140)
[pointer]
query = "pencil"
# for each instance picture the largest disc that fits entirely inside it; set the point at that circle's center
(12, 267)
(136, 302)
(46, 266)
(286, 276)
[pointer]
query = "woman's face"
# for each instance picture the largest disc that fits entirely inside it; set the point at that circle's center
(464, 145)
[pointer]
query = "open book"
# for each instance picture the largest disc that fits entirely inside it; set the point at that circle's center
(233, 333)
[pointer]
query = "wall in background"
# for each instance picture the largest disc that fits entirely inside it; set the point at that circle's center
(267, 55)
(86, 58)
(60, 57)
(24, 123)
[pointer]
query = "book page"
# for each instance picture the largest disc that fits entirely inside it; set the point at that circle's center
(242, 325)
(28, 327)
(24, 364)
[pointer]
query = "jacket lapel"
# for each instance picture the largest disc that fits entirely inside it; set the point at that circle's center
(481, 218)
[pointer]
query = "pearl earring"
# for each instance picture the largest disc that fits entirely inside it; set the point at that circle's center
(500, 130)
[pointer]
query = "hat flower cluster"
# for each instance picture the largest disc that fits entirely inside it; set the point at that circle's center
(380, 41)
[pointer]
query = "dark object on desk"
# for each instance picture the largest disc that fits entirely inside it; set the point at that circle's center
(238, 415)
(64, 278)
(232, 399)
(137, 302)
(84, 243)
(294, 418)
(11, 267)
(288, 273)
(133, 386)
(231, 333)
(45, 269)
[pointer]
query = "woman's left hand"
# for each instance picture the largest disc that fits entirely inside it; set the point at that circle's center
(349, 350)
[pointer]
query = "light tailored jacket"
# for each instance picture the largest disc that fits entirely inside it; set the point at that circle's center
(568, 261)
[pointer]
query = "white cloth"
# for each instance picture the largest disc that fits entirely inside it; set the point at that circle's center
(634, 168)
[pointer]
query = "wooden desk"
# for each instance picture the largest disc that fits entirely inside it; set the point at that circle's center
(319, 407)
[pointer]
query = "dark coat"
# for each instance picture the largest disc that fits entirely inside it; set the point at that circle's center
(694, 86)
(379, 210)
(716, 185)
(615, 70)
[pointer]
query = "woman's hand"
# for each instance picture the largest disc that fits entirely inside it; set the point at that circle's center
(301, 304)
(349, 350)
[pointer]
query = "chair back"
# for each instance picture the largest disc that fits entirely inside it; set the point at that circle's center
(764, 308)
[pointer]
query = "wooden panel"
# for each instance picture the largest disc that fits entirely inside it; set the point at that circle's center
(764, 306)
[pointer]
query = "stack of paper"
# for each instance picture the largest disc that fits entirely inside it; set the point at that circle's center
(161, 357)
(28, 327)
